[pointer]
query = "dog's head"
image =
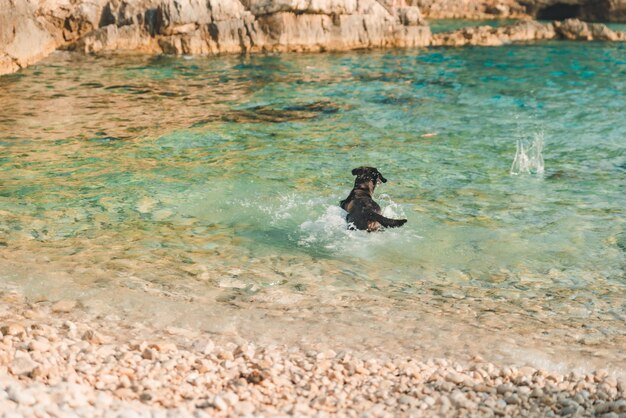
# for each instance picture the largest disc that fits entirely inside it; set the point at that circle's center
(369, 176)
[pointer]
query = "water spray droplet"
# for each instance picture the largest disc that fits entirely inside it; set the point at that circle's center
(531, 161)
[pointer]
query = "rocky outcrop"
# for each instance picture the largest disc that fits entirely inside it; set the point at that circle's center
(30, 29)
(472, 9)
(575, 30)
(495, 36)
(588, 10)
(24, 36)
(217, 26)
(526, 31)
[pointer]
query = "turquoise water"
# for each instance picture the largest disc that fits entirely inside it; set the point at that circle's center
(205, 192)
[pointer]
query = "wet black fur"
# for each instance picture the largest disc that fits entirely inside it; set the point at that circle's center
(363, 212)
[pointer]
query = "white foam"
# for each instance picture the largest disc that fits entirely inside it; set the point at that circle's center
(330, 231)
(531, 161)
(328, 227)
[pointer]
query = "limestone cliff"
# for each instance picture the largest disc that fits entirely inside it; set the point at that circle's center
(30, 29)
(589, 10)
(526, 31)
(24, 36)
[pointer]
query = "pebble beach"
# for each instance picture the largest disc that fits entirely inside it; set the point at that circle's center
(57, 360)
(171, 239)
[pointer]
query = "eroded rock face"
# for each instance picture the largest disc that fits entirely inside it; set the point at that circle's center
(24, 37)
(575, 30)
(217, 26)
(589, 10)
(491, 36)
(31, 29)
(471, 9)
(526, 31)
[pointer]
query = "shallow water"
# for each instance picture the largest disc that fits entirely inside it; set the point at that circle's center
(204, 192)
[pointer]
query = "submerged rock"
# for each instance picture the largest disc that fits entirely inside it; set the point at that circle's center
(295, 112)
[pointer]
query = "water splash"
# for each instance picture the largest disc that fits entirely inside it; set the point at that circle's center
(531, 161)
(328, 228)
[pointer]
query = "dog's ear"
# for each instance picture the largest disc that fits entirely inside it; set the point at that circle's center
(380, 176)
(357, 171)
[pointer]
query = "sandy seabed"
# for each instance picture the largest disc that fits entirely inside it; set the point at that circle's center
(58, 360)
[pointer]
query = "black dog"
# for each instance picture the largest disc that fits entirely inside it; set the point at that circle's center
(363, 212)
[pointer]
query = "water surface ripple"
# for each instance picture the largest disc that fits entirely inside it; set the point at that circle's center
(204, 192)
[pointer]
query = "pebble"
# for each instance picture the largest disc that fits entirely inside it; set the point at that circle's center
(20, 396)
(39, 345)
(12, 329)
(88, 367)
(203, 346)
(455, 377)
(148, 354)
(22, 365)
(64, 306)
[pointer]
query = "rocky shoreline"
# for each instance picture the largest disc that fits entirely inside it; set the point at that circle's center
(31, 30)
(528, 31)
(57, 360)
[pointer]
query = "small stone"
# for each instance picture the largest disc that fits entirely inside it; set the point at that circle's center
(503, 389)
(39, 345)
(92, 337)
(33, 314)
(429, 400)
(459, 400)
(127, 413)
(148, 354)
(569, 410)
(219, 403)
(328, 354)
(124, 393)
(599, 375)
(22, 364)
(64, 306)
(536, 393)
(244, 408)
(484, 388)
(164, 347)
(145, 397)
(12, 329)
(611, 381)
(21, 396)
(455, 377)
(203, 346)
(69, 326)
